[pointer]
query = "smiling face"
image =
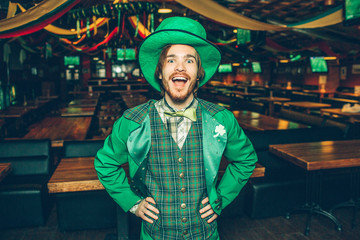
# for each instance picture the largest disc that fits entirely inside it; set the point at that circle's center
(179, 74)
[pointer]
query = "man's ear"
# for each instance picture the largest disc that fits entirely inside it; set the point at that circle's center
(160, 76)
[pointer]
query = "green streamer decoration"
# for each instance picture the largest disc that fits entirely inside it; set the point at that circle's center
(152, 23)
(109, 52)
(78, 27)
(137, 26)
(48, 50)
(88, 27)
(118, 20)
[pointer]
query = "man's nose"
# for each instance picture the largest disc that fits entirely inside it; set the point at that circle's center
(180, 67)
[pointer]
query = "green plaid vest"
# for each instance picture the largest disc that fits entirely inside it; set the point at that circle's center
(176, 180)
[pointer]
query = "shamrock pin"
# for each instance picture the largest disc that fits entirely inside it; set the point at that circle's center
(219, 130)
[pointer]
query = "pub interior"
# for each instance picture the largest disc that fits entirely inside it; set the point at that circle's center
(290, 73)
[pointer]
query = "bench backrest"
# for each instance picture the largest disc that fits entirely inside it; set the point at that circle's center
(27, 157)
(84, 148)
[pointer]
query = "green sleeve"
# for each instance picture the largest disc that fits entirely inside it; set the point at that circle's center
(108, 163)
(242, 158)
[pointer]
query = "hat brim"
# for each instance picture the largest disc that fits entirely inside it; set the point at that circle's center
(150, 49)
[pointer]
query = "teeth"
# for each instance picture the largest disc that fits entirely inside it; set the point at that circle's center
(179, 79)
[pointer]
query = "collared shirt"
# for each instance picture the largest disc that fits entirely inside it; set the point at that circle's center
(178, 126)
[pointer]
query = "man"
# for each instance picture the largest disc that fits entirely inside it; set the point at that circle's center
(174, 146)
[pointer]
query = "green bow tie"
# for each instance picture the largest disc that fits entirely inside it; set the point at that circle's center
(189, 113)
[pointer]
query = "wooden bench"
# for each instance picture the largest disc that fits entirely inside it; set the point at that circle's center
(24, 199)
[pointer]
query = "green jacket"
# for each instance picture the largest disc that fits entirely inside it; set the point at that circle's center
(130, 142)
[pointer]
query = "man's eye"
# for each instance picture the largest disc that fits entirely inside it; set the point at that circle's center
(189, 61)
(171, 61)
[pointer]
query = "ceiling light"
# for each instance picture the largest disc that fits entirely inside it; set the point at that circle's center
(164, 9)
(329, 2)
(236, 64)
(284, 61)
(330, 58)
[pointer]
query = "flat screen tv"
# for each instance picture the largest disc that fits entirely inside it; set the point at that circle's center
(318, 65)
(125, 54)
(256, 67)
(71, 60)
(351, 12)
(225, 68)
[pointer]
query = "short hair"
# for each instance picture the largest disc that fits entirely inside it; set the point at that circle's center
(160, 65)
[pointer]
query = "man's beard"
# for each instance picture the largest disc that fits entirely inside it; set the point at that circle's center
(176, 96)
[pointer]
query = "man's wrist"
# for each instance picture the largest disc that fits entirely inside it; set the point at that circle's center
(135, 207)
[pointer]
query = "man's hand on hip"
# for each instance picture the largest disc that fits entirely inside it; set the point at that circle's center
(146, 210)
(207, 211)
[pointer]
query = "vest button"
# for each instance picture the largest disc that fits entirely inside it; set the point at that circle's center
(183, 205)
(183, 190)
(184, 220)
(182, 175)
(180, 160)
(185, 232)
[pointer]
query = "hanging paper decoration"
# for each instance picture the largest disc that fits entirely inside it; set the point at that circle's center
(95, 27)
(141, 29)
(221, 14)
(110, 10)
(65, 32)
(35, 18)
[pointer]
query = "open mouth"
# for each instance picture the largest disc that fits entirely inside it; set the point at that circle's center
(179, 81)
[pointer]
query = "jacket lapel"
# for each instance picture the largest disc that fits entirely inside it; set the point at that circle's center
(214, 142)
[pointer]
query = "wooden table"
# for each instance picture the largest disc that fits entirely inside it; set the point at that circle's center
(13, 112)
(87, 102)
(347, 94)
(244, 114)
(245, 95)
(58, 129)
(93, 82)
(74, 175)
(78, 111)
(286, 88)
(307, 106)
(48, 97)
(352, 117)
(5, 169)
(321, 93)
(85, 95)
(316, 157)
(271, 101)
(264, 122)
